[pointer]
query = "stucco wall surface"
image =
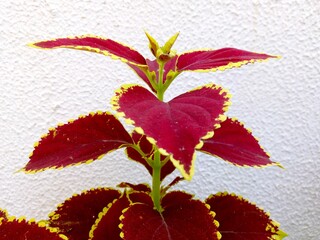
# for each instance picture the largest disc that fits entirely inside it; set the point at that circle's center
(279, 99)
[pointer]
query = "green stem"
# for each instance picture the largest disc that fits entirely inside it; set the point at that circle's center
(156, 181)
(160, 90)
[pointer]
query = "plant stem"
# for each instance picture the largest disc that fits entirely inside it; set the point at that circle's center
(157, 165)
(160, 90)
(156, 181)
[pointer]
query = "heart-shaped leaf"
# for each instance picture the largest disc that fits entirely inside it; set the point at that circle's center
(75, 217)
(221, 59)
(95, 44)
(147, 148)
(79, 141)
(177, 126)
(234, 143)
(21, 229)
(182, 220)
(240, 219)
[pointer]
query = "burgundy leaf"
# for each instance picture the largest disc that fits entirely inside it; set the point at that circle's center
(21, 229)
(140, 197)
(173, 182)
(185, 220)
(177, 126)
(107, 225)
(147, 148)
(240, 219)
(135, 187)
(76, 215)
(174, 198)
(79, 141)
(3, 214)
(95, 44)
(234, 143)
(142, 73)
(220, 59)
(153, 67)
(169, 66)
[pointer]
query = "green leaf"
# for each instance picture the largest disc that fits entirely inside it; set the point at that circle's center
(75, 217)
(168, 45)
(153, 44)
(178, 126)
(240, 219)
(80, 141)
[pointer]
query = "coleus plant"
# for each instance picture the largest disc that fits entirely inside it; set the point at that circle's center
(166, 137)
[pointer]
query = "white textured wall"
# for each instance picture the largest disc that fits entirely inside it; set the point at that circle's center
(278, 99)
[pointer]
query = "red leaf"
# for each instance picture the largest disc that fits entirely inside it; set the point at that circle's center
(153, 66)
(79, 141)
(95, 44)
(185, 220)
(142, 73)
(3, 214)
(240, 219)
(147, 148)
(135, 187)
(175, 198)
(107, 225)
(141, 197)
(220, 59)
(76, 215)
(178, 126)
(20, 229)
(234, 143)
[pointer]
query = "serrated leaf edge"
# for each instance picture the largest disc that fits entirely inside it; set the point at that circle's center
(53, 129)
(55, 216)
(124, 88)
(269, 226)
(245, 165)
(31, 221)
(90, 49)
(225, 67)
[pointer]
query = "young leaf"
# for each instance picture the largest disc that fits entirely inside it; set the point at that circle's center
(79, 141)
(234, 143)
(141, 197)
(95, 44)
(147, 149)
(240, 219)
(75, 217)
(221, 59)
(177, 126)
(107, 224)
(135, 187)
(21, 229)
(153, 44)
(182, 220)
(169, 72)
